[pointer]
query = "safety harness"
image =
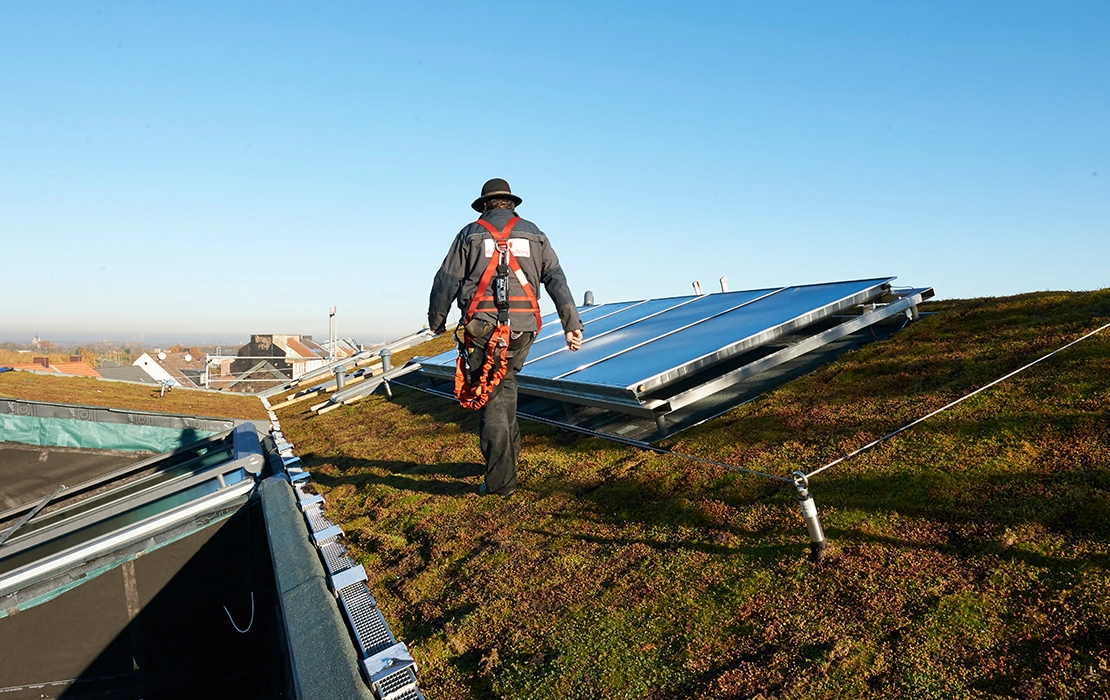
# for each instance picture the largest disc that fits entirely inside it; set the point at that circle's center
(492, 296)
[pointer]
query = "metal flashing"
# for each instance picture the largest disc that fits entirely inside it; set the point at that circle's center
(307, 501)
(347, 577)
(328, 533)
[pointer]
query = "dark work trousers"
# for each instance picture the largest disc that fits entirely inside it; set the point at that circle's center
(498, 431)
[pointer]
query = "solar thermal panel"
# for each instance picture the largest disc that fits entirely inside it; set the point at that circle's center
(633, 351)
(650, 364)
(604, 345)
(613, 321)
(588, 314)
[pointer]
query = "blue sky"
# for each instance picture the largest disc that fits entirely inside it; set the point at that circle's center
(203, 171)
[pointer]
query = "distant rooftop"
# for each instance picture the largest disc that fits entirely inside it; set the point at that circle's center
(74, 367)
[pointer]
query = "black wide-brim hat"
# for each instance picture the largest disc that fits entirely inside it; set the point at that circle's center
(495, 188)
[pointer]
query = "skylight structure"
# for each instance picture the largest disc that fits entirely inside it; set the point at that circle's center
(158, 555)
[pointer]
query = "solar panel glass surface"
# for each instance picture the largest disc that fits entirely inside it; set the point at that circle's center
(648, 329)
(553, 331)
(605, 324)
(657, 355)
(588, 314)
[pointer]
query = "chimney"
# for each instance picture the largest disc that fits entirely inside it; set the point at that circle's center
(44, 361)
(74, 358)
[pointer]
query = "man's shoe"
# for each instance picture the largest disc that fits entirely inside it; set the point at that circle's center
(483, 490)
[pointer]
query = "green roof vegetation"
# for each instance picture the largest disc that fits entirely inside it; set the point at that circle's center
(87, 391)
(969, 556)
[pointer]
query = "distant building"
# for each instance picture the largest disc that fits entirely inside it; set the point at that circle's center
(292, 355)
(75, 367)
(185, 368)
(260, 377)
(344, 347)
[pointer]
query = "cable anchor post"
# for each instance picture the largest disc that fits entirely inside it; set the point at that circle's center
(817, 541)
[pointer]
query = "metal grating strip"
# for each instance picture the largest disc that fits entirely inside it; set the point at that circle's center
(348, 577)
(316, 519)
(335, 557)
(410, 694)
(391, 685)
(309, 500)
(370, 627)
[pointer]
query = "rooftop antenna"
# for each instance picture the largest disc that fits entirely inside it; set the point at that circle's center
(333, 333)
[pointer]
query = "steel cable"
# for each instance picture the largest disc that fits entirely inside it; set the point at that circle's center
(953, 403)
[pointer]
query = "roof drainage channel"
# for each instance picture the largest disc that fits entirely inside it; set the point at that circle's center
(386, 665)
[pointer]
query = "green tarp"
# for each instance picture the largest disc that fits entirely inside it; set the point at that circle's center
(60, 432)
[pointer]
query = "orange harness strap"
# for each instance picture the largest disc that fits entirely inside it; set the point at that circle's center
(474, 392)
(481, 294)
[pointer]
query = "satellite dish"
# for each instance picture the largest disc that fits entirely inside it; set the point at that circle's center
(188, 357)
(161, 356)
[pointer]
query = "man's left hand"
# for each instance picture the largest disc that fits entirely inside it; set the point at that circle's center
(574, 340)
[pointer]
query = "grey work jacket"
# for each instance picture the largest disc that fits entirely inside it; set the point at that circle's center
(458, 277)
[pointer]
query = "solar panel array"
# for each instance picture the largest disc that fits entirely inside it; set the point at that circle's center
(633, 352)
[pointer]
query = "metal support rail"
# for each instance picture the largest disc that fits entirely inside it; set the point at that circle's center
(33, 512)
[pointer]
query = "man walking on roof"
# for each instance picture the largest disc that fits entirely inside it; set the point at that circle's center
(493, 270)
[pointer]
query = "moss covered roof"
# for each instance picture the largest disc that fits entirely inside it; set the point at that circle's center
(87, 391)
(969, 557)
